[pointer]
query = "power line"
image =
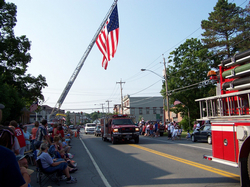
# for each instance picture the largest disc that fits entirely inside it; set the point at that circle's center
(146, 88)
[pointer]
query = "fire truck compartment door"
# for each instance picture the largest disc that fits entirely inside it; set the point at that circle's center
(223, 141)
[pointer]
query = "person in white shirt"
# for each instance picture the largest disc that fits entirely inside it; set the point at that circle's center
(169, 131)
(198, 125)
(175, 131)
(172, 130)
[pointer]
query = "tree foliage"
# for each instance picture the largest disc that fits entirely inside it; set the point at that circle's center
(191, 62)
(243, 42)
(20, 89)
(68, 122)
(226, 32)
(227, 29)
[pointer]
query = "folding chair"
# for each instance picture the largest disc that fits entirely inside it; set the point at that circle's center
(44, 177)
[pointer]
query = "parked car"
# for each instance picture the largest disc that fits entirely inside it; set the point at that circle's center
(97, 131)
(89, 128)
(203, 134)
(71, 126)
(29, 127)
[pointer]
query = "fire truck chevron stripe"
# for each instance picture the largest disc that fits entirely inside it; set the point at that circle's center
(191, 163)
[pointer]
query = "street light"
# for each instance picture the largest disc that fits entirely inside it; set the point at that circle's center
(166, 83)
(152, 72)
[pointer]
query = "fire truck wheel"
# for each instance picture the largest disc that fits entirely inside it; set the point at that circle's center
(113, 140)
(193, 138)
(248, 165)
(209, 140)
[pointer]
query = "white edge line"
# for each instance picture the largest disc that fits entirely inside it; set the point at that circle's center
(186, 145)
(96, 166)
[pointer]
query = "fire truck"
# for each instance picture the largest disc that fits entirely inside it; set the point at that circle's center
(119, 128)
(229, 114)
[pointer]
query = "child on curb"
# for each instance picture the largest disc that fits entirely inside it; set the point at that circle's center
(188, 135)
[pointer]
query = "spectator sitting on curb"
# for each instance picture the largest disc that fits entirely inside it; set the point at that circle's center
(8, 164)
(188, 135)
(49, 165)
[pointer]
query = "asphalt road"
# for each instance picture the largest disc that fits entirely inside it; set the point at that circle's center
(152, 162)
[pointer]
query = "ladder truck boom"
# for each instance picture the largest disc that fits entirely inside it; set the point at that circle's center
(80, 64)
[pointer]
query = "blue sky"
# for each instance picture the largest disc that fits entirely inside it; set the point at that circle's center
(60, 32)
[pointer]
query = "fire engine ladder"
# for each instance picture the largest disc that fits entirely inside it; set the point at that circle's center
(232, 105)
(80, 64)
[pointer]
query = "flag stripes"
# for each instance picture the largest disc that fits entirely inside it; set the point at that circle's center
(107, 40)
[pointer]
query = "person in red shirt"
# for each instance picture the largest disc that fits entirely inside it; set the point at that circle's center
(60, 131)
(20, 137)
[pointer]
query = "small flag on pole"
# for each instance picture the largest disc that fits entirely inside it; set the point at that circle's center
(107, 40)
(34, 106)
(176, 102)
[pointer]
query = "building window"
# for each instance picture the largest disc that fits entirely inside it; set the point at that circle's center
(133, 111)
(161, 110)
(140, 111)
(147, 110)
(154, 110)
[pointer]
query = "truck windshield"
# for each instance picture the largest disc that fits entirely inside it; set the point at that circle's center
(91, 125)
(122, 122)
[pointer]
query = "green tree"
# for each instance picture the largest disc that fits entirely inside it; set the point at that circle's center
(68, 119)
(243, 42)
(14, 59)
(94, 116)
(225, 29)
(191, 62)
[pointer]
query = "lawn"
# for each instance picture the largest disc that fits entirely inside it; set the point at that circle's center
(183, 134)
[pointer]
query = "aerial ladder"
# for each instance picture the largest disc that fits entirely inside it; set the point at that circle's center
(80, 64)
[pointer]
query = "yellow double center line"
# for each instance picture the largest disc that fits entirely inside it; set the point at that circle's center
(188, 162)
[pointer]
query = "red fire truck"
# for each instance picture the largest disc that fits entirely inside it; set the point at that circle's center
(229, 114)
(119, 128)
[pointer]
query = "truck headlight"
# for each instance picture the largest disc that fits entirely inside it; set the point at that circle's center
(115, 130)
(137, 129)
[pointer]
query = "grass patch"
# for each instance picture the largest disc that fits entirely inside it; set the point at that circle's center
(183, 134)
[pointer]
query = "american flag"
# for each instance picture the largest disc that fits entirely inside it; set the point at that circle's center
(176, 102)
(107, 40)
(34, 106)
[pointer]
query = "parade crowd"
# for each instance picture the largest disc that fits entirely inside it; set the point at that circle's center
(18, 146)
(174, 131)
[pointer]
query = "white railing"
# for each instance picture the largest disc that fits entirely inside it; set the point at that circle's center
(233, 105)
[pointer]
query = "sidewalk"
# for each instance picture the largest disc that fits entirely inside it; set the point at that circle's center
(80, 156)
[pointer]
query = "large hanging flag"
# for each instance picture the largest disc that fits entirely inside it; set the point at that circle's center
(107, 40)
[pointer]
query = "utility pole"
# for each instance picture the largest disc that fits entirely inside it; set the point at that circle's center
(102, 107)
(166, 84)
(121, 93)
(108, 104)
